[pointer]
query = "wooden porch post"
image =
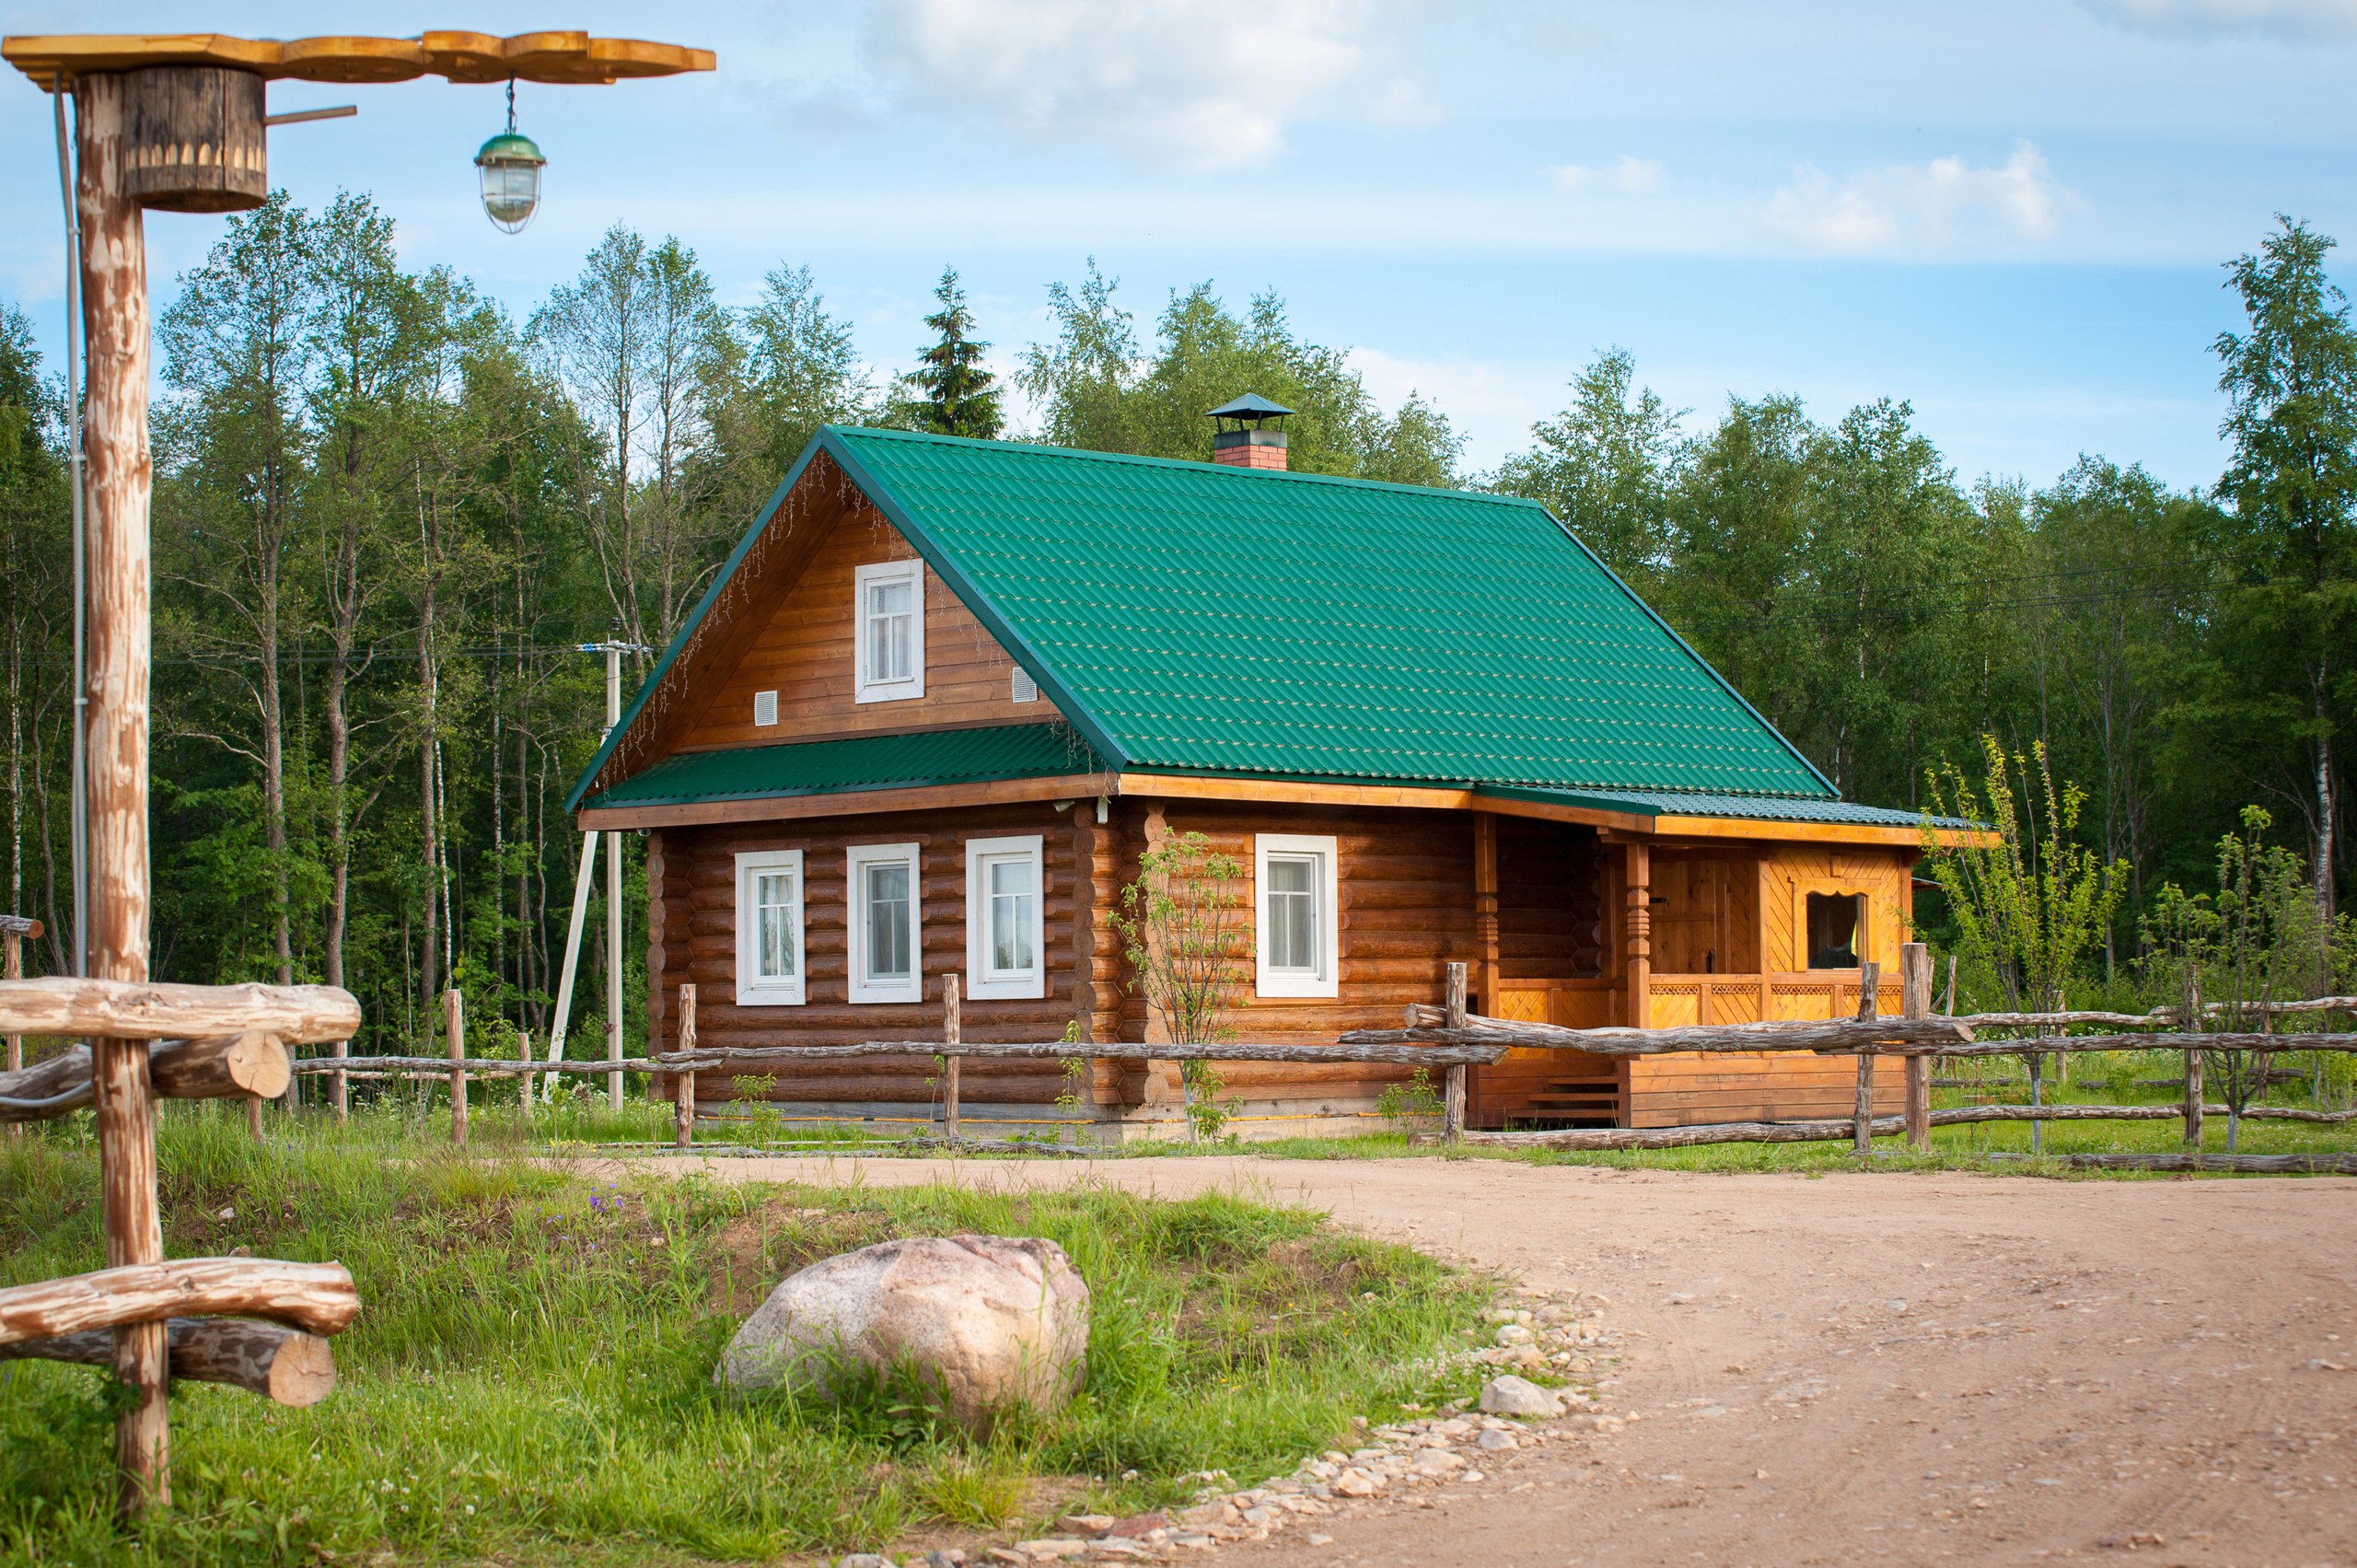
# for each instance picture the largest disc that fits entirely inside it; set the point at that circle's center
(1640, 879)
(115, 326)
(1485, 907)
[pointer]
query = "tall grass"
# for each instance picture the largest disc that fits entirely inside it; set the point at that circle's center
(530, 1376)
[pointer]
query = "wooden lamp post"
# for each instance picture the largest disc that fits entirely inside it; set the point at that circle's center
(177, 124)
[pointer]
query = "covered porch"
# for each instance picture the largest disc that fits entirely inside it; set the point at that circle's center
(1586, 926)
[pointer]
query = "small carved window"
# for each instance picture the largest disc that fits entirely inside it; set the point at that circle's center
(1836, 924)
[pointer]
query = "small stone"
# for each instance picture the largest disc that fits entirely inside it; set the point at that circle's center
(1192, 1542)
(1516, 1396)
(1357, 1482)
(1088, 1524)
(948, 1557)
(1048, 1549)
(1515, 1334)
(1114, 1549)
(1140, 1525)
(1436, 1463)
(1319, 1539)
(1495, 1442)
(864, 1559)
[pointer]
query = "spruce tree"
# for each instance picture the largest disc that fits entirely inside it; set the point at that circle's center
(950, 393)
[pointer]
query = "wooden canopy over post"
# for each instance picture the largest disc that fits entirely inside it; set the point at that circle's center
(177, 123)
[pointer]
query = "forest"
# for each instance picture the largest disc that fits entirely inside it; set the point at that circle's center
(390, 512)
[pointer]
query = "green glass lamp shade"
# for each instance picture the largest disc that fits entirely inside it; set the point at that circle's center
(511, 168)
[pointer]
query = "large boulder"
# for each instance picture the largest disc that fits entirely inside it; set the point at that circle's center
(986, 1322)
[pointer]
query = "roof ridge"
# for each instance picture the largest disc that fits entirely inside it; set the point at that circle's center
(1141, 459)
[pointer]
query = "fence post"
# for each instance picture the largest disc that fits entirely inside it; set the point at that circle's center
(1915, 990)
(683, 1084)
(2194, 1088)
(12, 967)
(1452, 1099)
(952, 1033)
(454, 1029)
(524, 1079)
(1869, 988)
(339, 1090)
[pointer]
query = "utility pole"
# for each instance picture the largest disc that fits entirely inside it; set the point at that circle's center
(613, 648)
(614, 894)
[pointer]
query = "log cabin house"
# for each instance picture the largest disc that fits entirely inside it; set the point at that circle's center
(946, 692)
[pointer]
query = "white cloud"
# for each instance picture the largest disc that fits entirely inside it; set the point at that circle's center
(1629, 173)
(2285, 20)
(1166, 80)
(1938, 207)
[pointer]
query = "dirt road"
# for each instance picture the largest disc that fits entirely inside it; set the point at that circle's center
(1866, 1368)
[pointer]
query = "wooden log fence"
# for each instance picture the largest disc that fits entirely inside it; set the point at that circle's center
(283, 1366)
(226, 1068)
(134, 1044)
(319, 1298)
(14, 930)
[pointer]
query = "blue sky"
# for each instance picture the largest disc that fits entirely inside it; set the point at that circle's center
(2010, 212)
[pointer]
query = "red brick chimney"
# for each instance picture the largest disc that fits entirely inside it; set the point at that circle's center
(1245, 438)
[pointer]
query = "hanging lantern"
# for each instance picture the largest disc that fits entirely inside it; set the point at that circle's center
(510, 165)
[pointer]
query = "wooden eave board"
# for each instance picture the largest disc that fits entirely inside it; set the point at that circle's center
(559, 58)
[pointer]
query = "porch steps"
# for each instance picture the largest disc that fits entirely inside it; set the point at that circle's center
(1584, 1100)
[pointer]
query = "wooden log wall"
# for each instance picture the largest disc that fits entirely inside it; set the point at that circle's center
(1406, 887)
(693, 940)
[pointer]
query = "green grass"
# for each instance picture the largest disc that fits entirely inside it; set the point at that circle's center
(530, 1376)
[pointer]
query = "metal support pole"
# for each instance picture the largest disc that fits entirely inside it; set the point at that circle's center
(78, 832)
(572, 956)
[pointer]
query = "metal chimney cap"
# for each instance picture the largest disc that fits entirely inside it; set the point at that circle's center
(1251, 408)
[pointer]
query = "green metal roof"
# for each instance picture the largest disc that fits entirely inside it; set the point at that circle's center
(881, 761)
(1198, 618)
(1222, 619)
(1751, 808)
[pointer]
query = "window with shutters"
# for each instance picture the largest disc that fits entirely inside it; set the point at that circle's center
(887, 924)
(892, 630)
(769, 928)
(1005, 918)
(1297, 946)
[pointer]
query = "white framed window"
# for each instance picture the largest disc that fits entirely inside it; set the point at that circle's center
(1005, 918)
(891, 612)
(886, 907)
(769, 928)
(1297, 949)
(764, 708)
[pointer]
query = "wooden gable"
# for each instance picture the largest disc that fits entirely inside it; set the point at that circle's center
(804, 648)
(783, 620)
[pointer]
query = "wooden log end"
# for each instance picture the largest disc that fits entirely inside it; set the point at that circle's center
(302, 1372)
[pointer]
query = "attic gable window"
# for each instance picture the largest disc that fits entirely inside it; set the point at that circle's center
(890, 614)
(1297, 952)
